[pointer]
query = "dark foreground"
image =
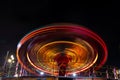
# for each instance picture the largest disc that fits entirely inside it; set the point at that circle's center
(53, 78)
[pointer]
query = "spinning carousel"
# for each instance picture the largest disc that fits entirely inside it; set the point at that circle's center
(61, 49)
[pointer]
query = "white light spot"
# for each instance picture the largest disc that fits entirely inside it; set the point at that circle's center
(42, 73)
(16, 75)
(9, 61)
(74, 74)
(12, 57)
(19, 45)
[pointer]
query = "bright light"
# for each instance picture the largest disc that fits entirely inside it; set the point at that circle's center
(42, 73)
(12, 57)
(13, 61)
(74, 74)
(9, 60)
(16, 75)
(19, 45)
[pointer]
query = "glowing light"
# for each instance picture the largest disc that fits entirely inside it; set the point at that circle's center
(75, 53)
(9, 61)
(42, 45)
(16, 75)
(74, 74)
(12, 57)
(19, 45)
(42, 73)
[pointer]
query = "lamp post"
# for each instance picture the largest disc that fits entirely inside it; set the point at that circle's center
(10, 61)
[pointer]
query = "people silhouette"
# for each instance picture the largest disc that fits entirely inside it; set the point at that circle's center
(62, 60)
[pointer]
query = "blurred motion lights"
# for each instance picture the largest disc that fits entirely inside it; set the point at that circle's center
(73, 46)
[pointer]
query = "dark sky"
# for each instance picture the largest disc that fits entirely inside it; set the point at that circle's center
(19, 17)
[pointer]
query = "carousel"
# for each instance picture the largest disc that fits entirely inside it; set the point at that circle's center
(61, 50)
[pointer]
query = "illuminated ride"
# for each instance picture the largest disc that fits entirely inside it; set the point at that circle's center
(61, 49)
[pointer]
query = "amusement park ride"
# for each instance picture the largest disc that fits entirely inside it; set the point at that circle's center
(61, 50)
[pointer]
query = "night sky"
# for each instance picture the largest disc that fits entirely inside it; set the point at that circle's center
(19, 17)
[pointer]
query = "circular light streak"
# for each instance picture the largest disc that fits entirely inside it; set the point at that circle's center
(38, 49)
(81, 57)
